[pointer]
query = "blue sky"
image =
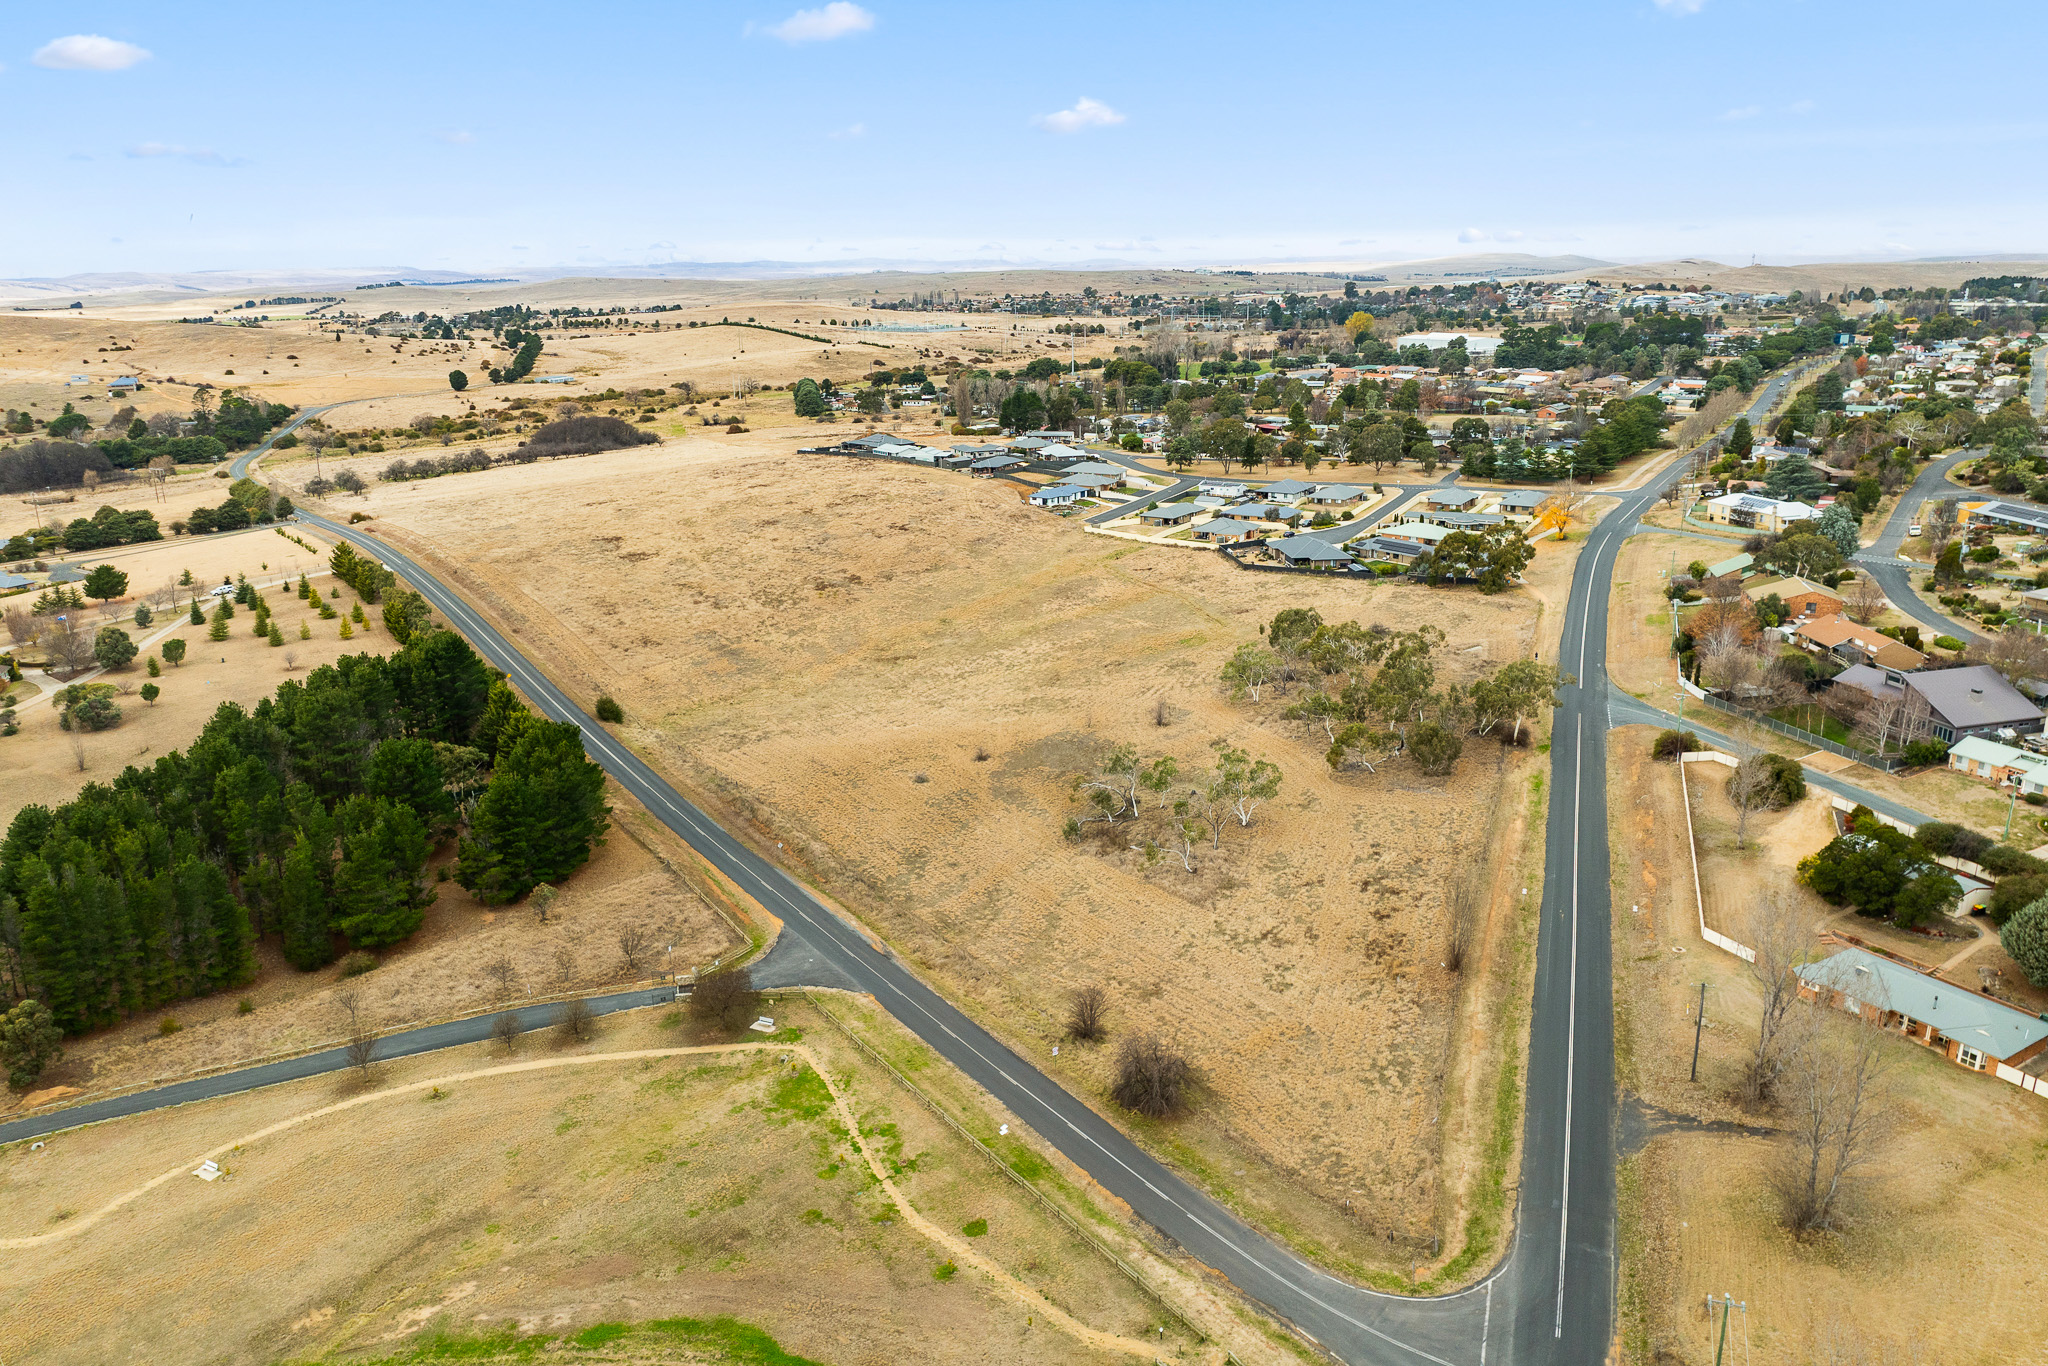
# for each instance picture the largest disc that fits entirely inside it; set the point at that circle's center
(479, 137)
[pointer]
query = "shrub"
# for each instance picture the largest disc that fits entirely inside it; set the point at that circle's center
(29, 1042)
(609, 710)
(1922, 752)
(573, 1018)
(1672, 743)
(585, 434)
(1948, 643)
(945, 1271)
(1085, 1015)
(974, 1228)
(167, 1026)
(726, 999)
(1436, 748)
(356, 964)
(1152, 1079)
(2015, 893)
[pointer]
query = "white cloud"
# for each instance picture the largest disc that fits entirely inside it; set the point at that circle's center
(1681, 6)
(89, 52)
(201, 156)
(1086, 113)
(1801, 107)
(848, 133)
(1747, 111)
(1472, 235)
(835, 20)
(460, 137)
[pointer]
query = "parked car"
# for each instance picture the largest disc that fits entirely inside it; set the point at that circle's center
(1913, 530)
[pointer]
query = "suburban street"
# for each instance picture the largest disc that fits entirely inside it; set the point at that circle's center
(1551, 1300)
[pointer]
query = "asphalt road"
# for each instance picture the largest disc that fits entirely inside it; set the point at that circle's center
(1550, 1301)
(425, 1039)
(1880, 557)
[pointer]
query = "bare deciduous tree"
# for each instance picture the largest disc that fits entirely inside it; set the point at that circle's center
(1834, 1092)
(501, 971)
(1460, 909)
(69, 649)
(1941, 524)
(361, 1050)
(1751, 787)
(725, 999)
(1085, 1014)
(1865, 600)
(573, 1018)
(1781, 933)
(633, 944)
(565, 965)
(1152, 1079)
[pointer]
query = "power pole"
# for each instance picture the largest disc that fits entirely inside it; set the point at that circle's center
(1699, 1020)
(1727, 1304)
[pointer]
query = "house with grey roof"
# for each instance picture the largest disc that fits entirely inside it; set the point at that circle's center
(1263, 512)
(1968, 1029)
(994, 464)
(1312, 552)
(1459, 521)
(1453, 500)
(1058, 496)
(1386, 549)
(1090, 481)
(1116, 472)
(1169, 514)
(2010, 517)
(1286, 491)
(1974, 700)
(1335, 495)
(1521, 502)
(1222, 529)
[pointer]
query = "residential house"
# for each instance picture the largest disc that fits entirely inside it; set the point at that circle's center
(874, 441)
(1975, 700)
(1854, 643)
(126, 384)
(1453, 500)
(993, 465)
(1968, 1029)
(2010, 517)
(1224, 529)
(1286, 491)
(1335, 495)
(1169, 514)
(1460, 521)
(1117, 473)
(1058, 496)
(1222, 488)
(1805, 600)
(1756, 512)
(1094, 483)
(1734, 564)
(2002, 764)
(2034, 604)
(1263, 512)
(1419, 533)
(1521, 502)
(1312, 552)
(1386, 548)
(1060, 451)
(10, 582)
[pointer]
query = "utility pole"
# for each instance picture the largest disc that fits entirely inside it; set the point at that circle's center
(1699, 1019)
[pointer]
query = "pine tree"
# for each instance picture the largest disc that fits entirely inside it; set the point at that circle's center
(502, 708)
(305, 631)
(302, 903)
(198, 617)
(539, 819)
(276, 634)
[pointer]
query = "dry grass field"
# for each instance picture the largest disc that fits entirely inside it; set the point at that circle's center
(889, 677)
(1956, 1184)
(291, 360)
(553, 1200)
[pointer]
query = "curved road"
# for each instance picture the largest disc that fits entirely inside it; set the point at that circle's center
(1550, 1301)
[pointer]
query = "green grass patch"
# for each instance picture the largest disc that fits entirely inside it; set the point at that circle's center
(600, 1334)
(725, 1338)
(945, 1271)
(974, 1228)
(799, 1095)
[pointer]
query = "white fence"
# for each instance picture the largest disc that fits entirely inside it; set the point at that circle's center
(1714, 937)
